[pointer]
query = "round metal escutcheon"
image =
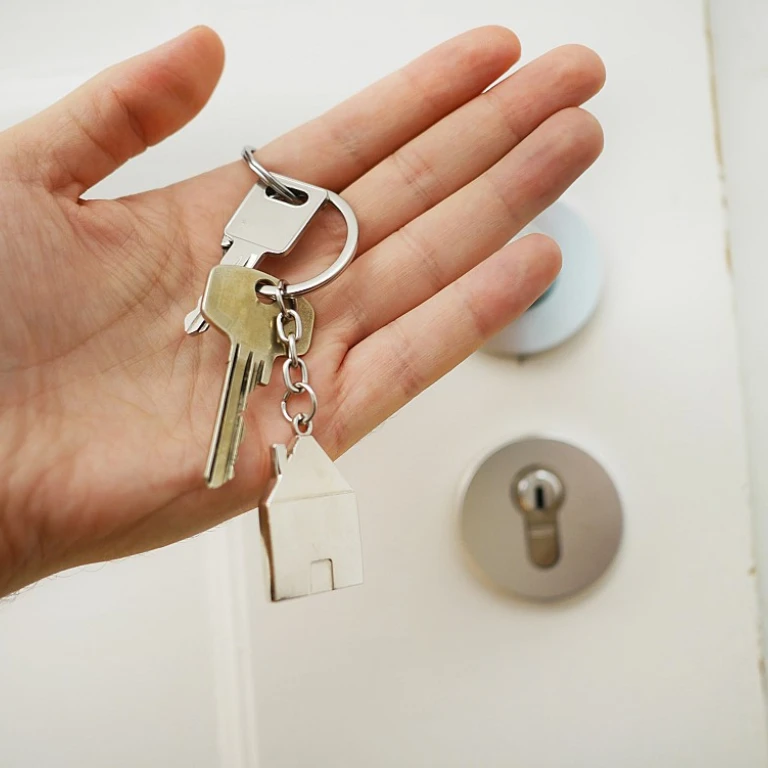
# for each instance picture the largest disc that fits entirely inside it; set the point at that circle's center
(502, 536)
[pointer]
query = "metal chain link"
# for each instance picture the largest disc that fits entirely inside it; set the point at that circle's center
(268, 178)
(302, 422)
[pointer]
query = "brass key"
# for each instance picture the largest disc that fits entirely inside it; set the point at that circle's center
(230, 303)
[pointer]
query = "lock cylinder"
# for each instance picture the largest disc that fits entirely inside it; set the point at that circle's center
(538, 494)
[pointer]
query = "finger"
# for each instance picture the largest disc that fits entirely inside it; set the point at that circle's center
(456, 150)
(470, 140)
(336, 148)
(404, 357)
(451, 238)
(122, 111)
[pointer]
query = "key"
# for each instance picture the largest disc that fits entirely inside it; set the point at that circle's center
(230, 304)
(263, 225)
(309, 523)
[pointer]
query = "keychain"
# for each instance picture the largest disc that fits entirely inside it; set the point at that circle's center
(308, 515)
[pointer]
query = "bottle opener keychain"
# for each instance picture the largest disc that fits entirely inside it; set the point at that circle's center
(308, 515)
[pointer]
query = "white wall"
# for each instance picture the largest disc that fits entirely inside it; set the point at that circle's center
(741, 79)
(176, 658)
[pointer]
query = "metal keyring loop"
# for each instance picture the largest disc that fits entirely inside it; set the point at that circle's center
(268, 178)
(331, 273)
(305, 417)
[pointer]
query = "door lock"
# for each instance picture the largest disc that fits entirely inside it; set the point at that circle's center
(541, 519)
(538, 494)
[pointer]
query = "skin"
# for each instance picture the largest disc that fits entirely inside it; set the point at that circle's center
(106, 406)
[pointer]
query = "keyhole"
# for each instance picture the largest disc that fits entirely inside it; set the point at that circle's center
(538, 494)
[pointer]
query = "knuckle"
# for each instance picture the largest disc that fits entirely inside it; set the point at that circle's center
(418, 175)
(405, 367)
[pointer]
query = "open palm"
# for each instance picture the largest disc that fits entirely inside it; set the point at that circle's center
(106, 405)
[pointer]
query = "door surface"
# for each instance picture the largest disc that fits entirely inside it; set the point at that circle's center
(176, 658)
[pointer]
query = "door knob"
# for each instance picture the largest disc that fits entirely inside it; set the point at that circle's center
(571, 300)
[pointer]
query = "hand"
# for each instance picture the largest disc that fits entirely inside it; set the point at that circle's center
(106, 406)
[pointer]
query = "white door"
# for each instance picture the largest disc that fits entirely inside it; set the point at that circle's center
(176, 658)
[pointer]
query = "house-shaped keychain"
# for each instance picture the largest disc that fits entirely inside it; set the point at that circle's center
(309, 523)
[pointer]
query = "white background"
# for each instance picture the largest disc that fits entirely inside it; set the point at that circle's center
(176, 659)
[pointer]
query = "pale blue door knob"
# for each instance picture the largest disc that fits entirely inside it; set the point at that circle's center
(568, 304)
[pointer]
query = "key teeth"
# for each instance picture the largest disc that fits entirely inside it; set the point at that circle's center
(264, 373)
(236, 441)
(211, 477)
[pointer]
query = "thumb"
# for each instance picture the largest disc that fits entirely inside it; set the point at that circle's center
(119, 113)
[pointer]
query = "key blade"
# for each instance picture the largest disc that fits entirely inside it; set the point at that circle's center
(229, 427)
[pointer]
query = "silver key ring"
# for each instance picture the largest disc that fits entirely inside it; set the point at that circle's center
(344, 259)
(267, 177)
